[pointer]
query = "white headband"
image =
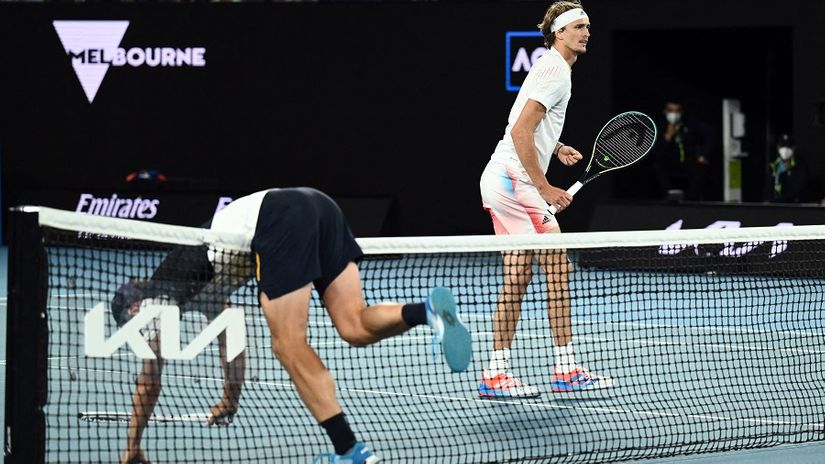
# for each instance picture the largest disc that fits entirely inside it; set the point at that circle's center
(566, 18)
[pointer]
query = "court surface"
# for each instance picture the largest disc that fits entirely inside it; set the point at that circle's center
(522, 428)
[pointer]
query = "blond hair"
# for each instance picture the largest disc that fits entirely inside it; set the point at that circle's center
(552, 13)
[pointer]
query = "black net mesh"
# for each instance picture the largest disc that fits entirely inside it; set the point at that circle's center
(708, 347)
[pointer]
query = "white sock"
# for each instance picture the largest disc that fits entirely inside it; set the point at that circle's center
(499, 362)
(565, 359)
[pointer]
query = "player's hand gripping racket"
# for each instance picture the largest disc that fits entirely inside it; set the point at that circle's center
(624, 140)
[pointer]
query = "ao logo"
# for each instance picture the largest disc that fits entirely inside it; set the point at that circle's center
(521, 51)
(523, 61)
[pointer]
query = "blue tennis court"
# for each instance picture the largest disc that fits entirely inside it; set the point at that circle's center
(404, 402)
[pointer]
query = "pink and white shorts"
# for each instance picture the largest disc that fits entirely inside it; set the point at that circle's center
(514, 204)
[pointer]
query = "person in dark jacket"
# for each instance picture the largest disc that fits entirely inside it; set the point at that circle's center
(786, 174)
(682, 158)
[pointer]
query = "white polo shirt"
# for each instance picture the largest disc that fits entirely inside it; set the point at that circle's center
(548, 83)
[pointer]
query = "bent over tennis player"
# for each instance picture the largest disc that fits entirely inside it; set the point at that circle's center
(516, 193)
(300, 240)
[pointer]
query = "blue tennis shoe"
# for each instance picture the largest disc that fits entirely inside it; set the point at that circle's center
(359, 454)
(448, 330)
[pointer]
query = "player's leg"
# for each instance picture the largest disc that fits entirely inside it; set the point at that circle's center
(287, 319)
(286, 316)
(557, 270)
(287, 260)
(362, 325)
(556, 267)
(503, 196)
(568, 375)
(339, 284)
(518, 272)
(497, 379)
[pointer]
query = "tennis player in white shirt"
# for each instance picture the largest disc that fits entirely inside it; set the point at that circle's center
(516, 193)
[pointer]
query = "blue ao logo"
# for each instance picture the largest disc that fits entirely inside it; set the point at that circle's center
(521, 50)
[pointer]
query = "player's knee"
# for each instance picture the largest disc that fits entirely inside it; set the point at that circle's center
(519, 275)
(355, 336)
(285, 350)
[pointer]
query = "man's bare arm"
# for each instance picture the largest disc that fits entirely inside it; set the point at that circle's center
(144, 399)
(524, 141)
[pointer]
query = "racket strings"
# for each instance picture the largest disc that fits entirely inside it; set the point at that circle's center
(624, 140)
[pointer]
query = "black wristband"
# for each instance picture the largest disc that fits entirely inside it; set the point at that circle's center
(556, 151)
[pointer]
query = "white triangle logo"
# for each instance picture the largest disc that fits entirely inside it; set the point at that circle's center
(79, 36)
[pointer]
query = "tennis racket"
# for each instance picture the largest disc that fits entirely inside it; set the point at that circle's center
(124, 417)
(624, 140)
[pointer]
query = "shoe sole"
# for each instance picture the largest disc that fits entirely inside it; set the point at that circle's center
(603, 384)
(456, 342)
(491, 393)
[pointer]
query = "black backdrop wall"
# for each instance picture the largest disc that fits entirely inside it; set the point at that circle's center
(397, 102)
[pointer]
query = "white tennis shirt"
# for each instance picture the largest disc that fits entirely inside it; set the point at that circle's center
(240, 216)
(548, 83)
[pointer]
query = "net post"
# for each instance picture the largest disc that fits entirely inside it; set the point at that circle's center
(26, 340)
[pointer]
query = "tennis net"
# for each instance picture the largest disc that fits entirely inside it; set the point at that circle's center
(714, 340)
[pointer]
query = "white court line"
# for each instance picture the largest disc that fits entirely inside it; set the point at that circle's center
(487, 402)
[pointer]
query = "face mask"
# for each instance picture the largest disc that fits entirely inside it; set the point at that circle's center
(785, 153)
(673, 116)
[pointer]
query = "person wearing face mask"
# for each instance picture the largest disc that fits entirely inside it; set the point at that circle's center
(786, 174)
(682, 159)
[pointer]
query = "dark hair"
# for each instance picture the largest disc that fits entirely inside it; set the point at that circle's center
(125, 296)
(784, 140)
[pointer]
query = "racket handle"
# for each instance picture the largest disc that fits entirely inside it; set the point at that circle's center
(574, 188)
(572, 191)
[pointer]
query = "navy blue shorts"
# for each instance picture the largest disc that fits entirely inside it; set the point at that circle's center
(301, 237)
